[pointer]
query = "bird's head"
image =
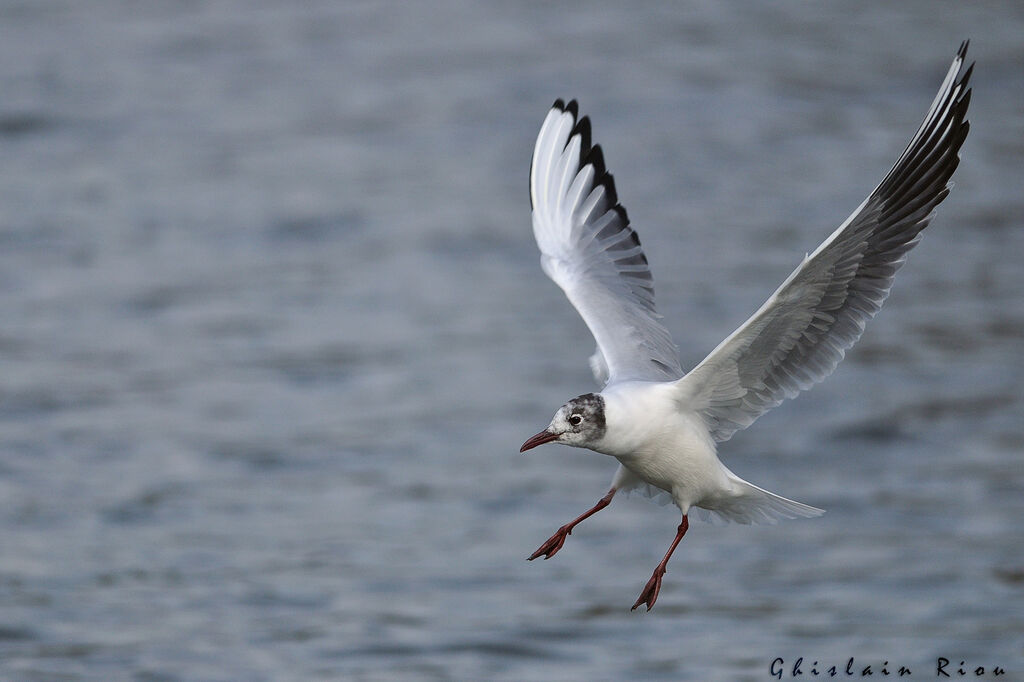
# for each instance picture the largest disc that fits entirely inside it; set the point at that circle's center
(579, 423)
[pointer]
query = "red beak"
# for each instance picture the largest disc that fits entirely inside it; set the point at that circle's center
(539, 439)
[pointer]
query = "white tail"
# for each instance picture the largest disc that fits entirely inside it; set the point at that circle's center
(750, 504)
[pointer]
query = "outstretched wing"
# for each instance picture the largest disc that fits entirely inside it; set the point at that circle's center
(802, 332)
(589, 250)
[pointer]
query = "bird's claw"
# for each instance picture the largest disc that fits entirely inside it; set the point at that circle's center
(650, 592)
(554, 543)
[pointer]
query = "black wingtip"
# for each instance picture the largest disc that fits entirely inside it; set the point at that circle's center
(609, 187)
(962, 52)
(621, 210)
(572, 107)
(591, 154)
(965, 100)
(582, 128)
(595, 157)
(967, 75)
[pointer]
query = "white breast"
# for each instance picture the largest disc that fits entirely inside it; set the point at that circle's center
(666, 446)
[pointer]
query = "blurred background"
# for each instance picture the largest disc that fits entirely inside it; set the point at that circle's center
(274, 327)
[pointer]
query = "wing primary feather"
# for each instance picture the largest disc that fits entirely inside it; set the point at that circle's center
(590, 250)
(803, 331)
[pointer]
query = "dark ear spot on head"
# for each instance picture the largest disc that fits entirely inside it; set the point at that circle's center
(591, 405)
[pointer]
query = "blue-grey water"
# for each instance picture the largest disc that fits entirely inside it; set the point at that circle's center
(273, 327)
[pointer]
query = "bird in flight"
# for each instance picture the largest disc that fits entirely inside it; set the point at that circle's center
(661, 424)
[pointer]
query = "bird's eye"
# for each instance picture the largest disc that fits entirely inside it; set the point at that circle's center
(575, 420)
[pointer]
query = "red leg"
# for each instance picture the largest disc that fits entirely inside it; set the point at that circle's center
(650, 593)
(555, 542)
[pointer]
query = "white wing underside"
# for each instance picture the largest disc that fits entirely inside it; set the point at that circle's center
(588, 248)
(800, 334)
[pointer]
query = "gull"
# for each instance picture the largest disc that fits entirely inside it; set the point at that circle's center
(663, 425)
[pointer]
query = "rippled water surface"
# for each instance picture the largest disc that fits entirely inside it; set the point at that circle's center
(273, 329)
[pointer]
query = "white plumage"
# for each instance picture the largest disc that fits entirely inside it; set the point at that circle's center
(662, 425)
